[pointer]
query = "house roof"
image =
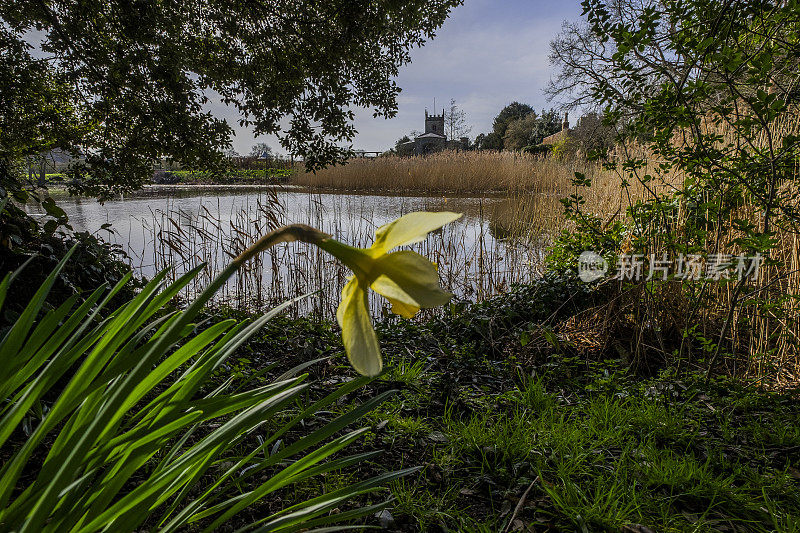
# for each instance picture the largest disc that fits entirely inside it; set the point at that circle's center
(430, 136)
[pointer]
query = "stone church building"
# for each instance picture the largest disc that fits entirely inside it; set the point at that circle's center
(433, 140)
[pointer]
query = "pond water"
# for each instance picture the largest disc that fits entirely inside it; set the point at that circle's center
(182, 227)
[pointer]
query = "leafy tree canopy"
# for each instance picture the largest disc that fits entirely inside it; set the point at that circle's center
(490, 141)
(531, 129)
(590, 134)
(508, 114)
(519, 133)
(403, 146)
(120, 84)
(261, 150)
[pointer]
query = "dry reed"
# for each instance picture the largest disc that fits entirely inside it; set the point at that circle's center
(765, 318)
(450, 171)
(473, 263)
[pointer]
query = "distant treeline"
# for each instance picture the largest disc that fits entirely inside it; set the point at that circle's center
(518, 127)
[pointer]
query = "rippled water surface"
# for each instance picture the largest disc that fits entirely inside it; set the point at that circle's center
(183, 227)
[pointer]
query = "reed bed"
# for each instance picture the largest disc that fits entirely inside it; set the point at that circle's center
(766, 321)
(763, 341)
(536, 214)
(531, 185)
(473, 263)
(449, 171)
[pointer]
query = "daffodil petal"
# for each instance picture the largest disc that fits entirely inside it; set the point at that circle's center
(411, 228)
(403, 309)
(407, 278)
(360, 341)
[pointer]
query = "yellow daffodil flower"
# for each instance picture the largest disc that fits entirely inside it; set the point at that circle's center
(405, 278)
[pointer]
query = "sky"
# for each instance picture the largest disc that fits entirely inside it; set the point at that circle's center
(488, 54)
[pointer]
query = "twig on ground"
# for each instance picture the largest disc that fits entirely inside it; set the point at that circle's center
(520, 505)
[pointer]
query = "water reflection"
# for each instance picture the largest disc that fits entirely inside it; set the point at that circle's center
(182, 227)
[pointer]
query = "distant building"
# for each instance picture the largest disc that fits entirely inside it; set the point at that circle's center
(561, 135)
(433, 140)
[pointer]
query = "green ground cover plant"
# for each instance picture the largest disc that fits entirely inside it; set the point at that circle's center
(518, 430)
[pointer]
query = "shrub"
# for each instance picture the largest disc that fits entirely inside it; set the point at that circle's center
(537, 149)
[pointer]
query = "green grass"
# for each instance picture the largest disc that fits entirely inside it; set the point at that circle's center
(197, 176)
(232, 176)
(602, 461)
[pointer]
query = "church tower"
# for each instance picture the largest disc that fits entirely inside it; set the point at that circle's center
(434, 123)
(434, 138)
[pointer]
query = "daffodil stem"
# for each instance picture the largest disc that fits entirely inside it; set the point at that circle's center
(291, 233)
(295, 232)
